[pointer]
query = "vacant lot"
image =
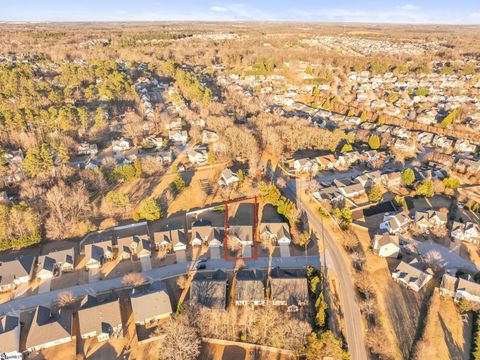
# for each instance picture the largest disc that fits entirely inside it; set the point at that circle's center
(447, 334)
(401, 311)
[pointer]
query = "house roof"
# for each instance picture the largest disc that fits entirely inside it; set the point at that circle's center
(385, 239)
(97, 250)
(209, 289)
(288, 285)
(8, 339)
(11, 270)
(153, 302)
(47, 262)
(228, 174)
(97, 316)
(48, 326)
(249, 286)
(412, 272)
(201, 229)
(468, 286)
(243, 233)
(449, 282)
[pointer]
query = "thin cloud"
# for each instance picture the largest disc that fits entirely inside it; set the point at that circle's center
(408, 7)
(219, 9)
(475, 14)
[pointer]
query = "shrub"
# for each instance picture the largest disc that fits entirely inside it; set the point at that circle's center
(149, 210)
(375, 194)
(374, 142)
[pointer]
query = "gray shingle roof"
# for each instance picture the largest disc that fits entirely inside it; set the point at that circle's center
(288, 285)
(9, 341)
(99, 317)
(149, 304)
(209, 290)
(249, 286)
(11, 270)
(48, 326)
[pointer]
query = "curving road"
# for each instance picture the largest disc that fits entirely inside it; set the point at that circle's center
(335, 262)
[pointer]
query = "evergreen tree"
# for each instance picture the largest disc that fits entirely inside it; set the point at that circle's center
(408, 176)
(374, 142)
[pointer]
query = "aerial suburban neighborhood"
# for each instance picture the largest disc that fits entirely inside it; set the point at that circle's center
(234, 189)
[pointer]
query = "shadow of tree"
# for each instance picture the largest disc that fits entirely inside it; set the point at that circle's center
(454, 349)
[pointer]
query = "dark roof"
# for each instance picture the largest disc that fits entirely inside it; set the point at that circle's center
(249, 286)
(48, 326)
(48, 261)
(17, 268)
(288, 285)
(151, 302)
(209, 290)
(99, 316)
(9, 342)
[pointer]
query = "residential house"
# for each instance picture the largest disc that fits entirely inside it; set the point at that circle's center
(305, 166)
(198, 156)
(404, 145)
(392, 180)
(241, 233)
(412, 275)
(430, 219)
(467, 289)
(468, 166)
(249, 288)
(55, 263)
(326, 162)
(425, 138)
(468, 232)
(288, 288)
(97, 253)
(178, 136)
(151, 305)
(395, 222)
(153, 142)
(201, 232)
(16, 272)
(448, 285)
(369, 179)
(14, 162)
(175, 238)
(277, 232)
(138, 245)
(10, 336)
(386, 245)
(209, 290)
(49, 329)
(209, 137)
(464, 146)
(330, 194)
(121, 145)
(87, 149)
(100, 318)
(458, 288)
(352, 191)
(227, 177)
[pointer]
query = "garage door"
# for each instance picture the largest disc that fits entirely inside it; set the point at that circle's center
(284, 251)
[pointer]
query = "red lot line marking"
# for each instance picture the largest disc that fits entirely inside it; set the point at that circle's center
(255, 233)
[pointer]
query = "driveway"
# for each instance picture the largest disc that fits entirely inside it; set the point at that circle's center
(284, 251)
(93, 275)
(215, 253)
(44, 286)
(247, 251)
(181, 256)
(444, 256)
(146, 263)
(21, 290)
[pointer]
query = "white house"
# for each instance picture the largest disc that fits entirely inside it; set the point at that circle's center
(198, 156)
(386, 245)
(430, 219)
(227, 177)
(120, 145)
(179, 136)
(469, 232)
(395, 223)
(16, 272)
(412, 275)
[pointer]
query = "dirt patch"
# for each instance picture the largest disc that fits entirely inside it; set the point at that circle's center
(447, 334)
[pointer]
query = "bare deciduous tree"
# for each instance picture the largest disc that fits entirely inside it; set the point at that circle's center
(65, 299)
(133, 279)
(178, 340)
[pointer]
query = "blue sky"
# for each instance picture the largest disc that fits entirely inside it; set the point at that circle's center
(386, 11)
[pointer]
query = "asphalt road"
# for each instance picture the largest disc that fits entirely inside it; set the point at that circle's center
(29, 302)
(336, 262)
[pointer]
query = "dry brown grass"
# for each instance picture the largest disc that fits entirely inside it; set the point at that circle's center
(446, 334)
